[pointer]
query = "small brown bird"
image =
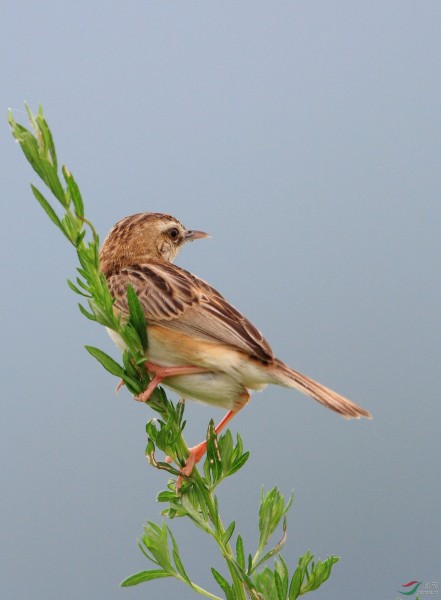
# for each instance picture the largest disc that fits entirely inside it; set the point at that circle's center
(198, 344)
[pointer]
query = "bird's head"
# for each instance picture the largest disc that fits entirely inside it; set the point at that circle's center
(140, 237)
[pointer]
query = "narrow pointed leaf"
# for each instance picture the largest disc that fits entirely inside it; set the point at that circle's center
(144, 576)
(213, 455)
(108, 363)
(295, 585)
(137, 317)
(240, 556)
(31, 117)
(229, 532)
(250, 564)
(83, 285)
(276, 548)
(279, 586)
(47, 139)
(282, 570)
(74, 288)
(225, 586)
(49, 175)
(177, 558)
(239, 463)
(74, 192)
(47, 208)
(86, 313)
(29, 145)
(132, 385)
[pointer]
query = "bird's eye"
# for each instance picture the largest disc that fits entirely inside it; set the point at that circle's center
(174, 233)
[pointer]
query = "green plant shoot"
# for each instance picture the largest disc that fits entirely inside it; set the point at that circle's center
(263, 574)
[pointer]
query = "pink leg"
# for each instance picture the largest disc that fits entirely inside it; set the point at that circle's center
(159, 373)
(197, 452)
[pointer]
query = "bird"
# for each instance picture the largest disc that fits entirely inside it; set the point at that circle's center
(199, 345)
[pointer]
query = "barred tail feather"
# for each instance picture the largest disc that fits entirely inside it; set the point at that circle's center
(290, 378)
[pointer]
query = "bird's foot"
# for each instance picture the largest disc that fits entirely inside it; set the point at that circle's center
(195, 455)
(119, 386)
(197, 452)
(160, 373)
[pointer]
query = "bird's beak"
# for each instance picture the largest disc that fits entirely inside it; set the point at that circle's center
(191, 235)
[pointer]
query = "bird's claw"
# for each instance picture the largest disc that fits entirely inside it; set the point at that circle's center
(119, 386)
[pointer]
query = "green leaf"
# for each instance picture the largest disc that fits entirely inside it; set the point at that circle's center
(48, 209)
(156, 542)
(296, 582)
(29, 145)
(132, 385)
(71, 227)
(180, 566)
(48, 141)
(229, 532)
(108, 363)
(144, 576)
(239, 463)
(167, 496)
(74, 192)
(152, 429)
(31, 117)
(243, 575)
(146, 552)
(49, 175)
(213, 454)
(279, 586)
(272, 509)
(150, 448)
(318, 574)
(137, 317)
(131, 339)
(177, 559)
(226, 448)
(83, 285)
(190, 503)
(80, 237)
(265, 584)
(295, 588)
(225, 586)
(40, 152)
(274, 550)
(240, 556)
(250, 564)
(282, 569)
(74, 288)
(86, 313)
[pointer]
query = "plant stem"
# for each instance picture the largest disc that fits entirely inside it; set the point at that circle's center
(218, 534)
(200, 590)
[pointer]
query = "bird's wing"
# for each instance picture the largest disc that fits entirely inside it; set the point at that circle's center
(176, 299)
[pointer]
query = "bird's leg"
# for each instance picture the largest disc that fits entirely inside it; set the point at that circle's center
(159, 373)
(197, 452)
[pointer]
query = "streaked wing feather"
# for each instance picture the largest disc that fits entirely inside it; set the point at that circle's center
(174, 298)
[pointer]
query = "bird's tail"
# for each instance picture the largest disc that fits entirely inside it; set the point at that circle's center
(290, 378)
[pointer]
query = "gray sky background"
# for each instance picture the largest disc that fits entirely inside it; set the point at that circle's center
(305, 137)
